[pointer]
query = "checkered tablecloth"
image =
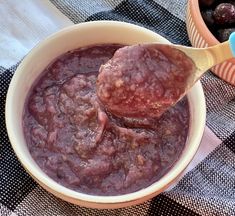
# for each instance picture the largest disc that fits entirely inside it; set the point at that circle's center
(208, 184)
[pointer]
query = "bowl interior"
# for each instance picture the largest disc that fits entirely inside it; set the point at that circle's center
(200, 24)
(70, 38)
(201, 36)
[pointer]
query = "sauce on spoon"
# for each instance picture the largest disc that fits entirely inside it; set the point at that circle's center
(143, 81)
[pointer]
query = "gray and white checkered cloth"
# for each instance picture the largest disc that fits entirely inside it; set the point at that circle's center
(208, 185)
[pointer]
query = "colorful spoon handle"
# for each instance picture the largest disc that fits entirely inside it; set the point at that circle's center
(232, 43)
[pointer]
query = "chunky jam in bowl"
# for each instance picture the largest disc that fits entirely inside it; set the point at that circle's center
(81, 145)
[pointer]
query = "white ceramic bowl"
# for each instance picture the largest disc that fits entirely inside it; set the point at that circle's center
(70, 38)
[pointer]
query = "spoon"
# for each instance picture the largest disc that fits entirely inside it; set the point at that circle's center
(145, 80)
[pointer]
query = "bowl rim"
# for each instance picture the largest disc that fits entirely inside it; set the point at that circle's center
(71, 194)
